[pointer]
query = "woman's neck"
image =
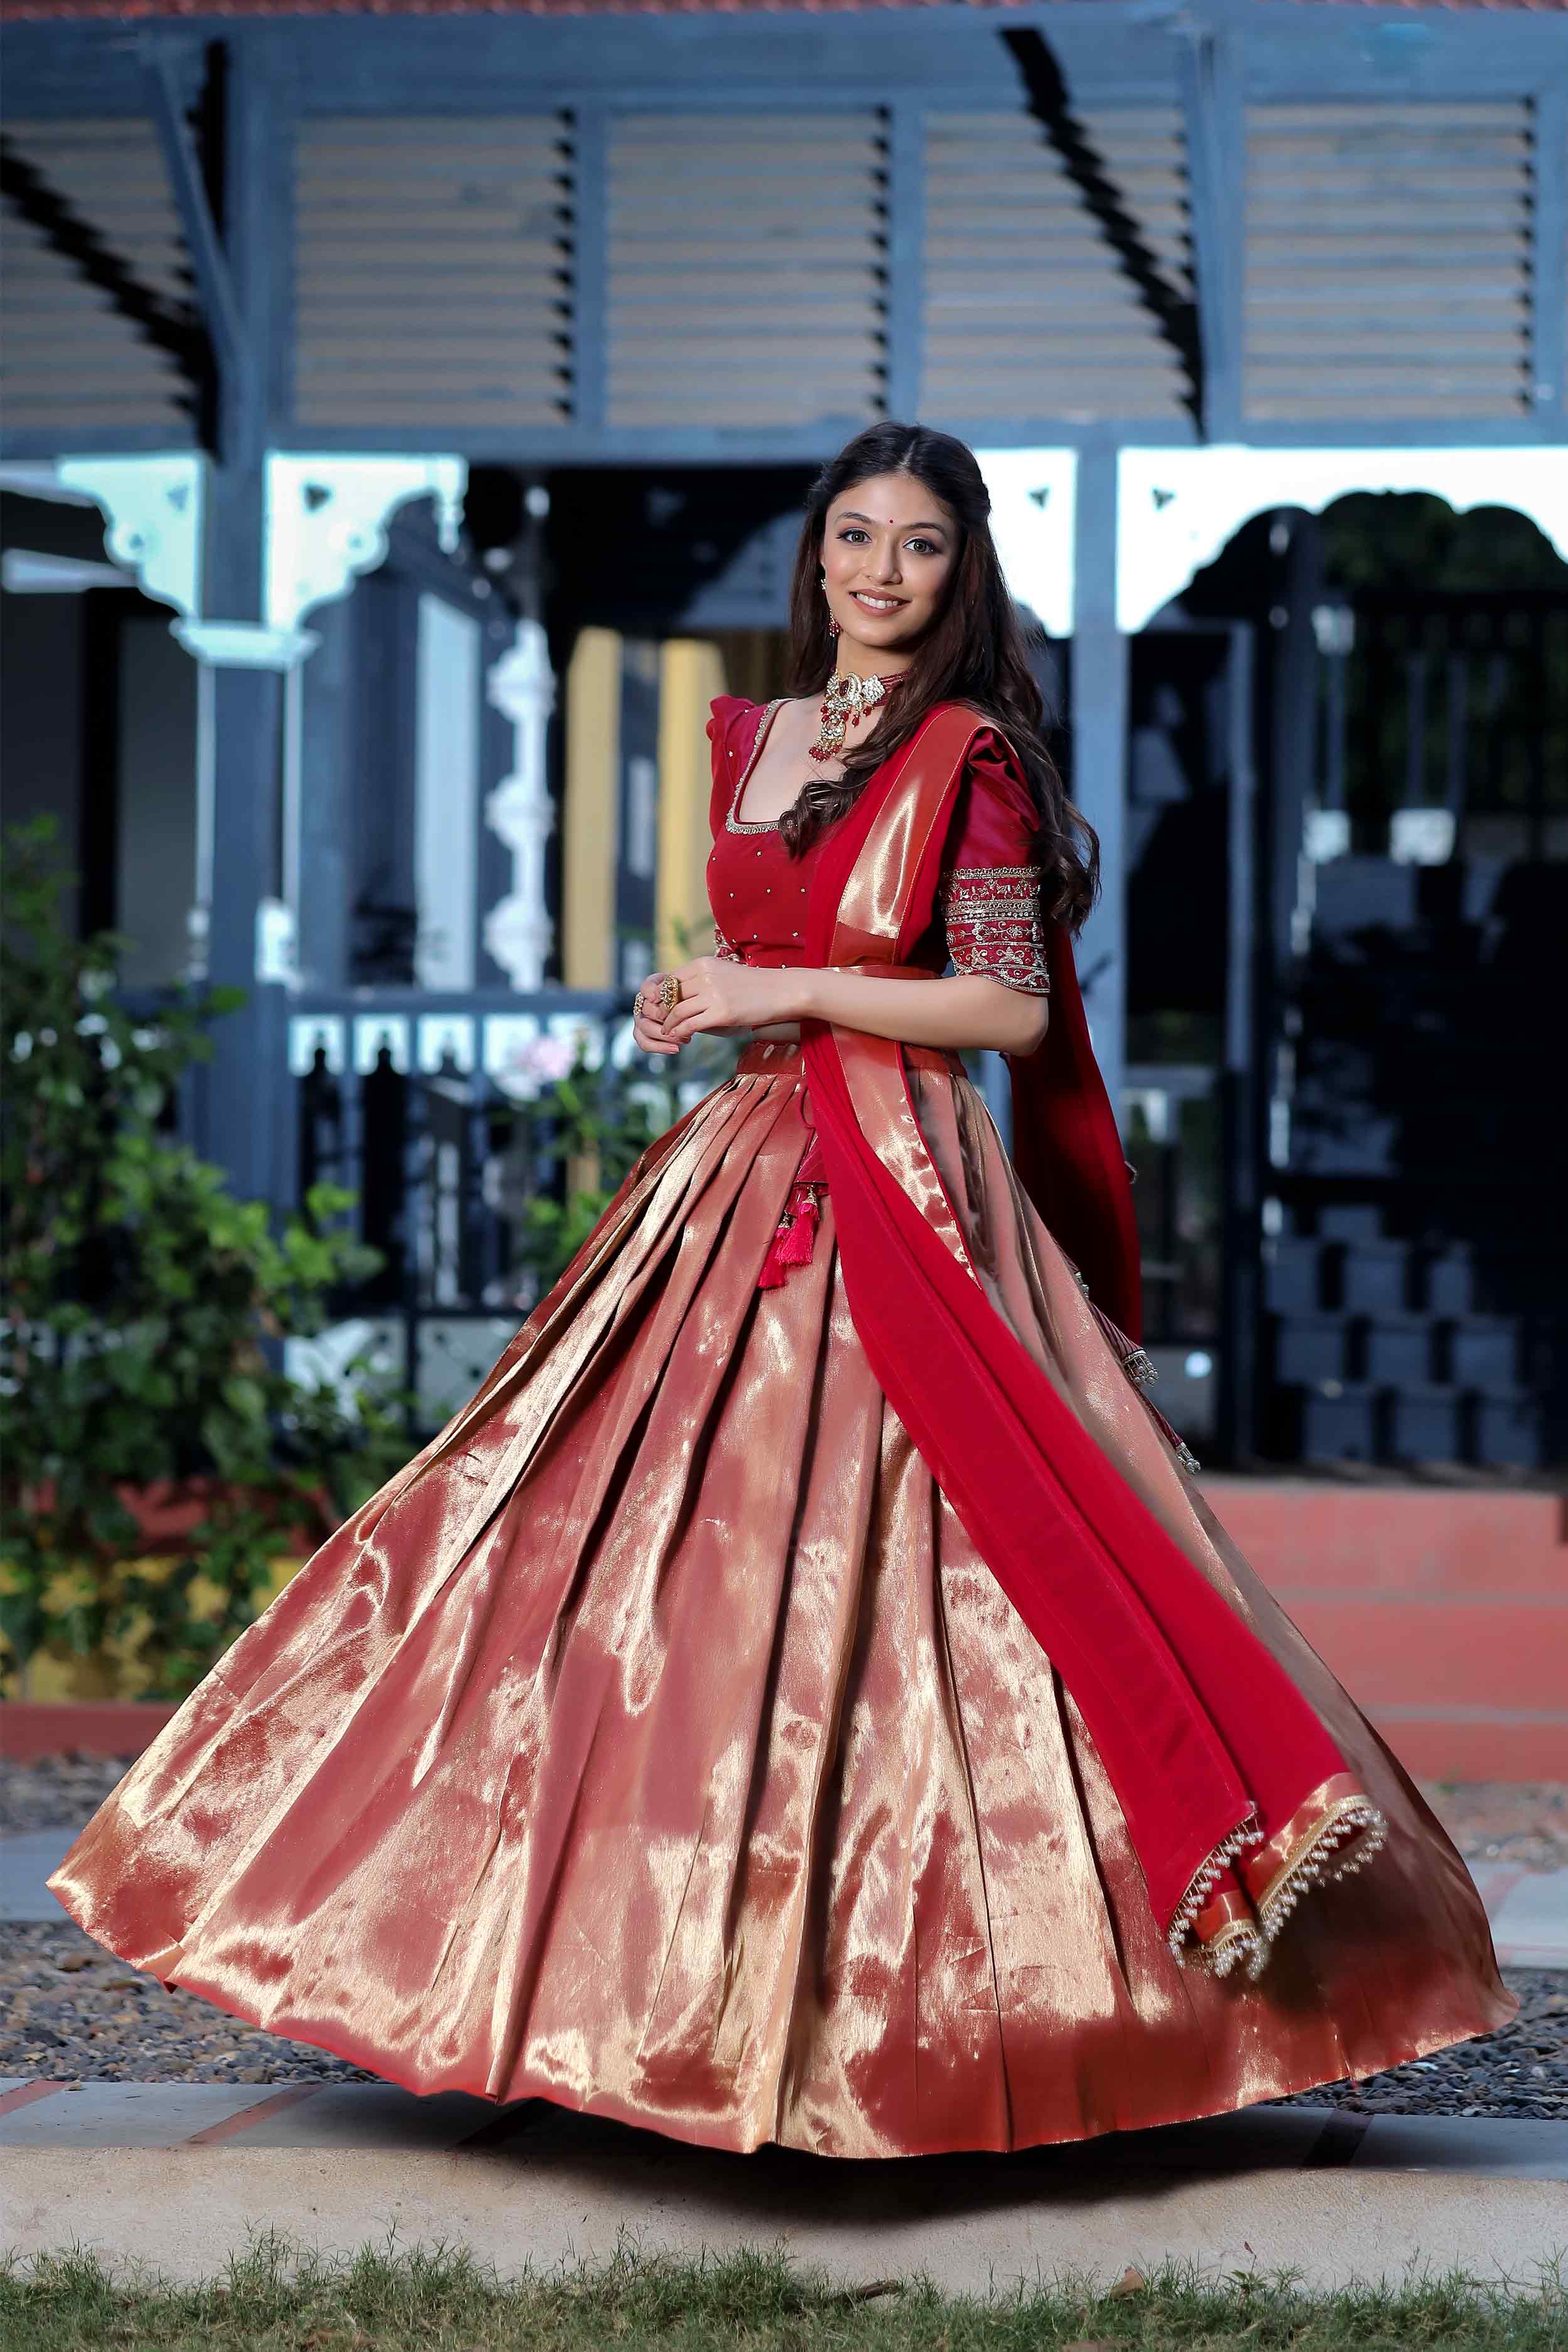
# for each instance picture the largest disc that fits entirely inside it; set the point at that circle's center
(853, 660)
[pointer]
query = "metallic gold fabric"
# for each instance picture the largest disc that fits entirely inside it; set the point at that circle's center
(656, 1742)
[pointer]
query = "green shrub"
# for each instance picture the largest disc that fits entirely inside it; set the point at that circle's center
(143, 1311)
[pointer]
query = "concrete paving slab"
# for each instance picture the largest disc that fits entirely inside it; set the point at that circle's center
(26, 1858)
(127, 2115)
(373, 2115)
(1272, 2137)
(1500, 2147)
(1530, 1926)
(979, 2226)
(358, 2116)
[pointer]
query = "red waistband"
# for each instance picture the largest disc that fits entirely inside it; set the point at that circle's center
(783, 1057)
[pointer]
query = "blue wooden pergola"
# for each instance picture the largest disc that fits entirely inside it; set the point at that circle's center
(1167, 264)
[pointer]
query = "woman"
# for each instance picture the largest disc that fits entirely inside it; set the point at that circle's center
(803, 1696)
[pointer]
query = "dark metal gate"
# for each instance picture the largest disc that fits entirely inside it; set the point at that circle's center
(1345, 1076)
(1416, 1304)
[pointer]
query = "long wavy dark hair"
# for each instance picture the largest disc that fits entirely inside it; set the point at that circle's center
(974, 652)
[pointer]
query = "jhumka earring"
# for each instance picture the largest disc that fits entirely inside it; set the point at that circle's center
(832, 623)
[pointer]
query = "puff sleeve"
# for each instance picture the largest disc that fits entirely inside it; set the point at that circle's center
(726, 713)
(989, 896)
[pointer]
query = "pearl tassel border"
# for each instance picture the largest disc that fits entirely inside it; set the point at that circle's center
(1239, 1941)
(1354, 1817)
(1203, 1882)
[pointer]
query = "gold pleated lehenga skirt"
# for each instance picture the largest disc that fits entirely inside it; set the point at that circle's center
(656, 1741)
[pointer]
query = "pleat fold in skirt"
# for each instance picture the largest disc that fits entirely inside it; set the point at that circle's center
(656, 1741)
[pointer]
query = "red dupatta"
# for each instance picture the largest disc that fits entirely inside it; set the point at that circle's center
(1215, 1757)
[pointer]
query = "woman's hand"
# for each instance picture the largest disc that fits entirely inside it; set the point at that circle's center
(717, 994)
(647, 1029)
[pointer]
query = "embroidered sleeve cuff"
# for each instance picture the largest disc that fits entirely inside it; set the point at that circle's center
(995, 929)
(724, 950)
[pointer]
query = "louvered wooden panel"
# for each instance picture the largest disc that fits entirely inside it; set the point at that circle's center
(1029, 311)
(72, 361)
(432, 273)
(745, 269)
(1387, 261)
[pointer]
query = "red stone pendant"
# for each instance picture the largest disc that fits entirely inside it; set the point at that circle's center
(847, 701)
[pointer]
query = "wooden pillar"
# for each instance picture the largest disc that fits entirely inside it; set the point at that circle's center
(248, 1099)
(239, 775)
(327, 805)
(1100, 704)
(690, 673)
(1242, 1140)
(1298, 583)
(590, 817)
(1214, 120)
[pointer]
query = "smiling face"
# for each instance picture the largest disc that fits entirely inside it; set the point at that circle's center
(888, 548)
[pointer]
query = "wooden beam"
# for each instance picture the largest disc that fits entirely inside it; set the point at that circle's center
(1549, 271)
(1217, 176)
(215, 293)
(1099, 691)
(503, 62)
(906, 254)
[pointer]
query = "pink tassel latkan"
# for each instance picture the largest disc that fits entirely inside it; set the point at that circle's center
(797, 1230)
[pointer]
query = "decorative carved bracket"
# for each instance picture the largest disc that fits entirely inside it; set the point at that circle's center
(1034, 495)
(327, 518)
(152, 510)
(1177, 507)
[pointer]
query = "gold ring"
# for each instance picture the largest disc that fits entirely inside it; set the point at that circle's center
(669, 993)
(637, 1006)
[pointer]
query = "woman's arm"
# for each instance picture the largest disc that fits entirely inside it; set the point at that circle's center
(963, 1011)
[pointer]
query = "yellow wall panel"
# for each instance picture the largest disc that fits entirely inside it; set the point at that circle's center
(590, 820)
(690, 673)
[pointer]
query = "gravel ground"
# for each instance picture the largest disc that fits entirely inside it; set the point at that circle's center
(71, 2011)
(56, 1789)
(1522, 2071)
(1496, 1821)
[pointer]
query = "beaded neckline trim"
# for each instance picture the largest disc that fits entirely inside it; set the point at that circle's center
(733, 823)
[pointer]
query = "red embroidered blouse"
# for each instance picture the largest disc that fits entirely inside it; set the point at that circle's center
(988, 921)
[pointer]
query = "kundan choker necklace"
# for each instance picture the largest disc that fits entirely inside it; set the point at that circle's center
(845, 700)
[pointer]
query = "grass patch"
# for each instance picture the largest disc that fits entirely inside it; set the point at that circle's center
(280, 2299)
